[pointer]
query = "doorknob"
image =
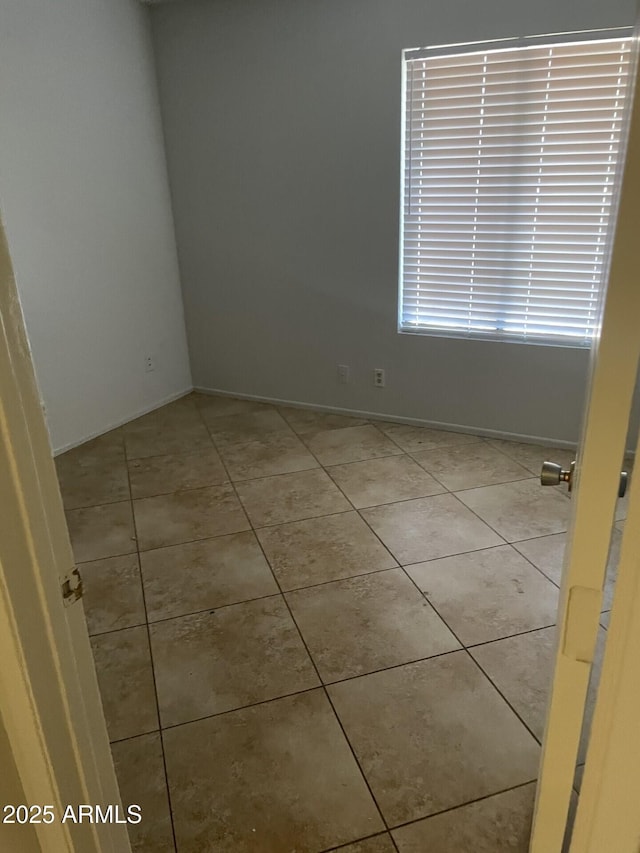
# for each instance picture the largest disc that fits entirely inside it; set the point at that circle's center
(553, 474)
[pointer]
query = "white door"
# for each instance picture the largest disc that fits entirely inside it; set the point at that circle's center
(594, 496)
(50, 711)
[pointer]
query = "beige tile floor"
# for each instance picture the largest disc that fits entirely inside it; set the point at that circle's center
(315, 633)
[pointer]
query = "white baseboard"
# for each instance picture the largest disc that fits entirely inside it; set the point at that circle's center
(115, 424)
(379, 416)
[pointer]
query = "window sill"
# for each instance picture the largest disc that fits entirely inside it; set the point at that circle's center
(557, 343)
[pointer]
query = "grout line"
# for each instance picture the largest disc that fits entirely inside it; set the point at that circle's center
(224, 713)
(266, 477)
(530, 561)
(444, 621)
(273, 524)
(313, 663)
(471, 488)
(568, 450)
(310, 434)
(323, 685)
(511, 636)
(179, 725)
(139, 553)
(489, 548)
(285, 592)
(466, 648)
(457, 554)
(288, 591)
(355, 841)
(181, 491)
(169, 428)
(153, 671)
(249, 705)
(372, 459)
(145, 733)
(468, 803)
(324, 465)
(210, 609)
(532, 538)
(512, 457)
(358, 574)
(434, 814)
(116, 630)
(258, 436)
(479, 517)
(470, 646)
(254, 529)
(282, 474)
(326, 470)
(462, 645)
(282, 591)
(347, 498)
(203, 393)
(393, 666)
(544, 536)
(500, 693)
(446, 489)
(95, 506)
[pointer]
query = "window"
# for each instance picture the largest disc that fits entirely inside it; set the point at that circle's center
(510, 156)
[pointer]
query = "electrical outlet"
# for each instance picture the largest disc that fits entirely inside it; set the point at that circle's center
(149, 364)
(344, 374)
(379, 379)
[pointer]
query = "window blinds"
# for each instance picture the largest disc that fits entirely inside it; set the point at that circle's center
(510, 159)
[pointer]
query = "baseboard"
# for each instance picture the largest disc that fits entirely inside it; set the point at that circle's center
(379, 416)
(115, 424)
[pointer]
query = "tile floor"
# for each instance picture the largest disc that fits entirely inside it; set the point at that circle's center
(315, 633)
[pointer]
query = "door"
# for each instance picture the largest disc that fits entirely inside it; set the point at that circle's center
(595, 494)
(50, 711)
(607, 816)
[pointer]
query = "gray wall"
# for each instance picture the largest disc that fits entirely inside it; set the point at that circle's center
(85, 200)
(282, 124)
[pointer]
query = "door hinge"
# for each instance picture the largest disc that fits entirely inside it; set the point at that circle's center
(72, 587)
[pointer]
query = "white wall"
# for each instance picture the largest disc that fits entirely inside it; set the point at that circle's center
(85, 200)
(282, 126)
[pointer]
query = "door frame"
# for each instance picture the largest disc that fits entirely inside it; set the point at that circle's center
(611, 391)
(49, 699)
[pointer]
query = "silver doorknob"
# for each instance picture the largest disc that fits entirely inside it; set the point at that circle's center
(553, 474)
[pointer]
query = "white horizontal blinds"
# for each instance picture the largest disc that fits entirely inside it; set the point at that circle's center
(509, 169)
